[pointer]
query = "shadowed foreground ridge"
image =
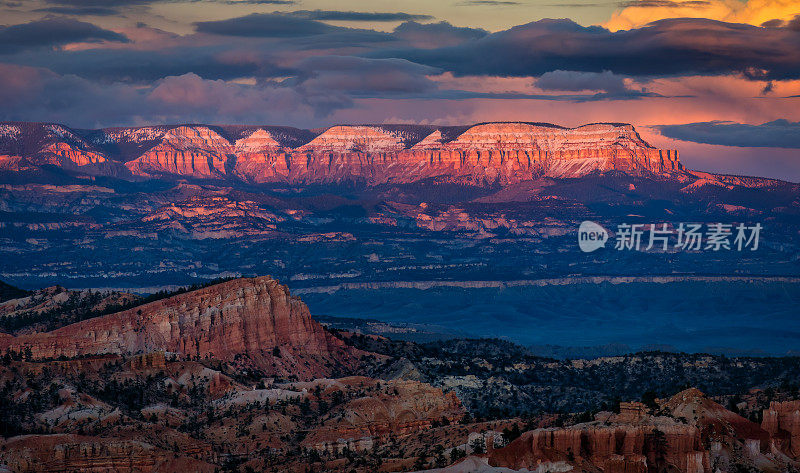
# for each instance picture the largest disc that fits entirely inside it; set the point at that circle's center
(479, 154)
(254, 322)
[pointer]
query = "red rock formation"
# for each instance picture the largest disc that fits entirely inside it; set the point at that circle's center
(713, 419)
(195, 151)
(782, 421)
(398, 409)
(633, 441)
(243, 319)
(495, 152)
(60, 453)
(617, 448)
(484, 153)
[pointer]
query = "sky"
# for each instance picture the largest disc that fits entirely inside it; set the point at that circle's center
(718, 80)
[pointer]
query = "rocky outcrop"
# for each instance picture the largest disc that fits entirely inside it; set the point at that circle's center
(616, 448)
(691, 434)
(60, 453)
(481, 154)
(387, 410)
(194, 151)
(250, 321)
(714, 420)
(487, 153)
(782, 421)
(38, 144)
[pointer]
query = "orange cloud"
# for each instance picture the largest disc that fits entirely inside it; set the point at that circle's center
(752, 12)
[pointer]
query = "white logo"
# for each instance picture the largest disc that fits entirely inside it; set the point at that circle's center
(591, 236)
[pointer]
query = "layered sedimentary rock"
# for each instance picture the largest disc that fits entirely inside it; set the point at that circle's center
(255, 320)
(374, 154)
(387, 410)
(615, 448)
(782, 421)
(195, 151)
(67, 452)
(713, 419)
(692, 434)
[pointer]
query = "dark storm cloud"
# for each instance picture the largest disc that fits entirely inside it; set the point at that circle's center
(361, 76)
(451, 94)
(574, 80)
(79, 11)
(304, 33)
(145, 66)
(299, 67)
(127, 3)
(775, 134)
(52, 32)
(664, 48)
(793, 24)
(332, 15)
(100, 3)
(266, 25)
(34, 94)
(430, 35)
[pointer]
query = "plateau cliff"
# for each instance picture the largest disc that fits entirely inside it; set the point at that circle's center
(485, 153)
(253, 322)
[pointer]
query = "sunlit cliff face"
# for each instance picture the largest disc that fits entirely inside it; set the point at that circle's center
(648, 62)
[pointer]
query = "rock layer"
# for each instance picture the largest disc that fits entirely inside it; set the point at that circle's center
(67, 452)
(255, 320)
(782, 421)
(486, 153)
(620, 448)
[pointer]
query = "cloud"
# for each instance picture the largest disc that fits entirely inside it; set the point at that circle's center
(99, 3)
(52, 32)
(774, 134)
(576, 81)
(665, 48)
(145, 66)
(365, 77)
(432, 35)
(79, 11)
(333, 15)
(38, 94)
(265, 25)
(638, 13)
(303, 33)
(191, 97)
(127, 3)
(792, 24)
(34, 94)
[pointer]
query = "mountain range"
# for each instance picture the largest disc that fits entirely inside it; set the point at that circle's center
(483, 153)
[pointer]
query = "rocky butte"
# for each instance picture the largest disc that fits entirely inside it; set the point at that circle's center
(486, 153)
(690, 434)
(252, 322)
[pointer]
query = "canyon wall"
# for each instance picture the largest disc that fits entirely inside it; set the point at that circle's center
(374, 154)
(249, 321)
(612, 449)
(782, 421)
